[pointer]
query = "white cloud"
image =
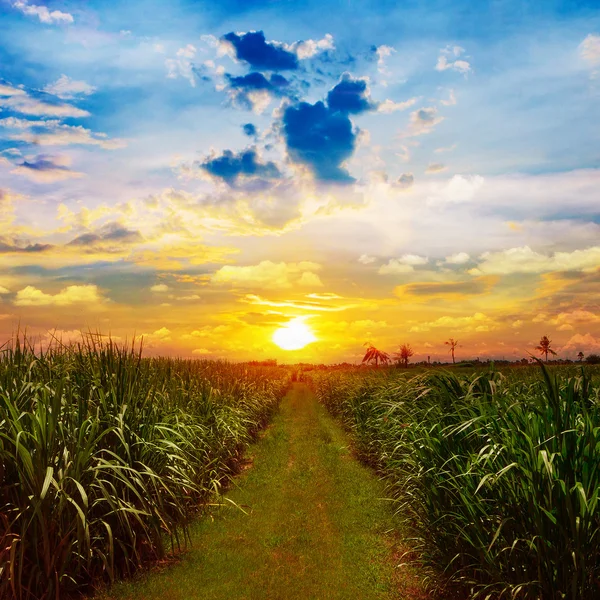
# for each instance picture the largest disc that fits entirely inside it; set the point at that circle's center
(389, 106)
(460, 258)
(365, 259)
(449, 59)
(159, 288)
(590, 49)
(43, 13)
(182, 65)
(423, 121)
(526, 260)
(309, 279)
(479, 322)
(67, 88)
(450, 101)
(150, 340)
(309, 48)
(72, 294)
(9, 90)
(461, 189)
(27, 105)
(404, 264)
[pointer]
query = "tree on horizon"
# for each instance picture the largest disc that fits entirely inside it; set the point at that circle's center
(544, 347)
(373, 354)
(405, 353)
(453, 344)
(580, 356)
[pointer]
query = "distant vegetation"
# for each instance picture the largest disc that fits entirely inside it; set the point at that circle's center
(497, 475)
(105, 456)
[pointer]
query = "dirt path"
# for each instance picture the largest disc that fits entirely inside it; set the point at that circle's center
(315, 528)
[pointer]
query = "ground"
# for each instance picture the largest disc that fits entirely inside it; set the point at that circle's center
(312, 523)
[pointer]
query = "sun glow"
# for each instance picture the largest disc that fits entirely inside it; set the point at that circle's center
(294, 336)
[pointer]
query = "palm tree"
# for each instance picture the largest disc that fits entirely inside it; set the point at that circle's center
(405, 353)
(580, 356)
(453, 344)
(373, 354)
(544, 346)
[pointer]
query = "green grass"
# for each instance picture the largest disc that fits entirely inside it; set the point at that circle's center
(314, 525)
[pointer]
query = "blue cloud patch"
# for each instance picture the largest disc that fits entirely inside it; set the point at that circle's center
(231, 167)
(252, 48)
(349, 96)
(257, 81)
(249, 129)
(319, 138)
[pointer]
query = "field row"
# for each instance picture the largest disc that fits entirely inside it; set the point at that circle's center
(496, 476)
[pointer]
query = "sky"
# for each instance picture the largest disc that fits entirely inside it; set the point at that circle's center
(201, 174)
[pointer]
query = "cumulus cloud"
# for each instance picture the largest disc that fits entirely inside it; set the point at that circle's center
(249, 129)
(404, 264)
(182, 65)
(479, 322)
(253, 49)
(111, 236)
(53, 133)
(157, 337)
(233, 168)
(54, 17)
(46, 169)
(526, 260)
(268, 274)
(461, 189)
(201, 351)
(159, 288)
(365, 259)
(405, 181)
(389, 106)
(423, 121)
(17, 100)
(72, 294)
(254, 91)
(590, 50)
(350, 96)
(66, 88)
(309, 48)
(449, 58)
(460, 258)
(566, 321)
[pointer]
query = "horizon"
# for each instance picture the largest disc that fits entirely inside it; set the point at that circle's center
(208, 176)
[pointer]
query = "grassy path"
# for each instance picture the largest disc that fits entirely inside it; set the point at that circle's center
(315, 528)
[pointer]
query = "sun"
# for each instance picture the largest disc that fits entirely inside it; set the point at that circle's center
(294, 336)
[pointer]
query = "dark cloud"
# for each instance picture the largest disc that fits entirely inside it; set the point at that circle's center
(405, 181)
(252, 48)
(30, 248)
(241, 87)
(249, 129)
(111, 232)
(475, 286)
(349, 96)
(319, 138)
(230, 167)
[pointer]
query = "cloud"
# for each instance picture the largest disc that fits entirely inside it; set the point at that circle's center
(268, 274)
(350, 96)
(19, 101)
(249, 129)
(230, 167)
(46, 169)
(404, 264)
(586, 343)
(389, 106)
(55, 17)
(590, 49)
(253, 49)
(254, 91)
(67, 88)
(310, 306)
(72, 294)
(319, 139)
(566, 321)
(423, 121)
(460, 258)
(151, 340)
(309, 48)
(461, 189)
(450, 101)
(446, 149)
(365, 259)
(159, 288)
(201, 351)
(53, 133)
(182, 65)
(112, 236)
(405, 181)
(436, 168)
(526, 260)
(479, 323)
(480, 285)
(449, 59)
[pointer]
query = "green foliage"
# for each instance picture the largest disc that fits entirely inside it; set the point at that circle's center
(497, 475)
(105, 456)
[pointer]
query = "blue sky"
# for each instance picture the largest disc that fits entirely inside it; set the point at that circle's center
(239, 150)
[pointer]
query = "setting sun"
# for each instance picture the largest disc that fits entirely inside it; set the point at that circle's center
(294, 336)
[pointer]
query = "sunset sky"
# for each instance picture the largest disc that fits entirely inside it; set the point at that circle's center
(201, 173)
